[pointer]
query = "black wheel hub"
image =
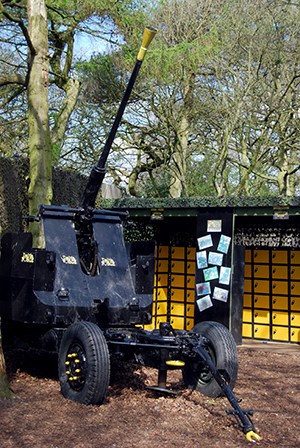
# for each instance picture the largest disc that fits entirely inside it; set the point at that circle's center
(76, 366)
(205, 375)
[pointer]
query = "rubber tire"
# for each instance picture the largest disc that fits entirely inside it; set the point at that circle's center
(223, 351)
(96, 366)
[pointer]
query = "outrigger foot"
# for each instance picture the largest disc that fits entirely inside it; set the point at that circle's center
(251, 436)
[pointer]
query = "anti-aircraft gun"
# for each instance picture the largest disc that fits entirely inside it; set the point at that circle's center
(80, 298)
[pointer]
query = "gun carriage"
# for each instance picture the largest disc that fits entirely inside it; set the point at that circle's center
(82, 298)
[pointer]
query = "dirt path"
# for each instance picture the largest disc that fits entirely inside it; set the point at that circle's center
(132, 416)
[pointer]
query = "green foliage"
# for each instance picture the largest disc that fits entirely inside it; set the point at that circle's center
(102, 79)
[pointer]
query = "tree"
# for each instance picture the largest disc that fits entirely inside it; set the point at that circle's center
(51, 49)
(158, 130)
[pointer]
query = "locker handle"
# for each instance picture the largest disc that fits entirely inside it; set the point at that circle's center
(274, 316)
(256, 314)
(273, 271)
(255, 285)
(293, 302)
(274, 285)
(293, 317)
(256, 269)
(255, 300)
(173, 264)
(172, 293)
(274, 301)
(274, 331)
(293, 271)
(292, 286)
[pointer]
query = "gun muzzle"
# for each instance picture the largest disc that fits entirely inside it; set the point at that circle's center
(149, 33)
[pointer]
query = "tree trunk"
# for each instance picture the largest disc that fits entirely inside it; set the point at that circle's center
(181, 151)
(40, 187)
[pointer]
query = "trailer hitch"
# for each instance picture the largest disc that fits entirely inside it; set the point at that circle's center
(243, 417)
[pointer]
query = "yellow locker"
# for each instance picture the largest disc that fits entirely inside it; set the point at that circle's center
(162, 266)
(279, 287)
(280, 318)
(247, 331)
(295, 334)
(190, 282)
(261, 256)
(178, 266)
(178, 252)
(261, 271)
(295, 272)
(190, 295)
(247, 301)
(279, 256)
(261, 317)
(261, 301)
(161, 294)
(248, 256)
(178, 308)
(190, 310)
(280, 302)
(191, 267)
(161, 308)
(160, 319)
(178, 281)
(295, 288)
(177, 322)
(247, 285)
(248, 271)
(295, 319)
(261, 286)
(161, 280)
(191, 253)
(247, 315)
(280, 333)
(177, 294)
(295, 256)
(295, 304)
(163, 252)
(262, 332)
(280, 272)
(189, 324)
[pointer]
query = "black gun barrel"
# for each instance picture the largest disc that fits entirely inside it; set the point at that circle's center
(98, 172)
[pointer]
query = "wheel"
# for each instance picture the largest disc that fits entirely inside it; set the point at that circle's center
(83, 364)
(222, 350)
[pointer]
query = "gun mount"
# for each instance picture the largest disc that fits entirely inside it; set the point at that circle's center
(82, 299)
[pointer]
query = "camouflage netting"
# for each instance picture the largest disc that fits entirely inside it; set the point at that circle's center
(67, 189)
(13, 202)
